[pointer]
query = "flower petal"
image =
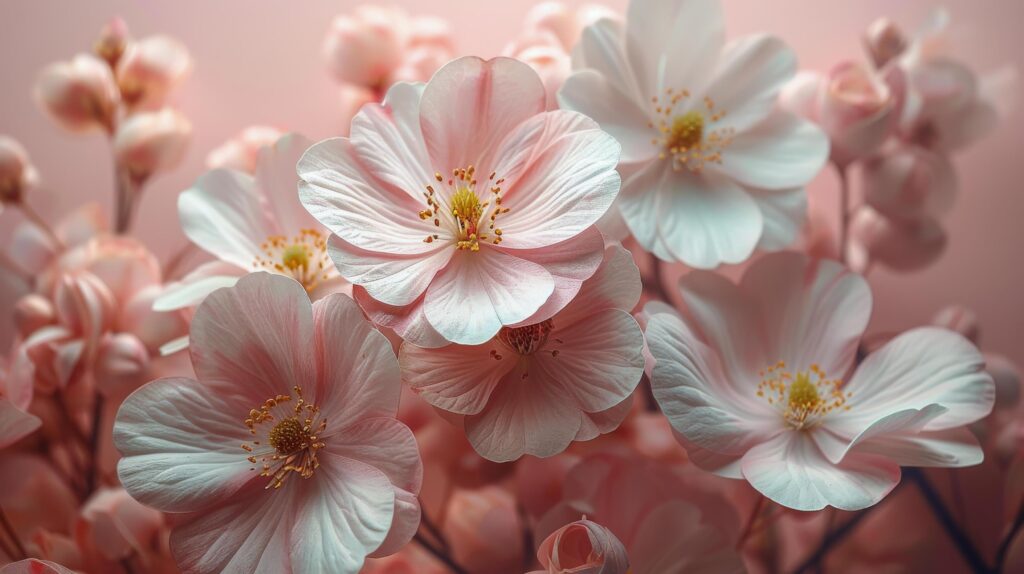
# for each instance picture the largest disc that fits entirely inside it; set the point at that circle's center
(456, 378)
(783, 151)
(673, 43)
(602, 48)
(588, 92)
(180, 440)
(387, 139)
(383, 443)
(784, 212)
(409, 321)
(277, 180)
(15, 423)
(224, 214)
(195, 286)
(615, 285)
(749, 76)
(390, 278)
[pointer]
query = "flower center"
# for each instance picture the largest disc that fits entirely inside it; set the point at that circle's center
(526, 340)
(803, 398)
(457, 205)
(289, 432)
(689, 137)
(302, 257)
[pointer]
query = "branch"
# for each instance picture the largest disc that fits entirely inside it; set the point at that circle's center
(963, 543)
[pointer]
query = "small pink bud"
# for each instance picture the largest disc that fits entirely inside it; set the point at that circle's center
(901, 246)
(364, 48)
(121, 363)
(884, 41)
(80, 95)
(150, 69)
(241, 151)
(909, 183)
(17, 175)
(859, 109)
(959, 319)
(32, 312)
(112, 41)
(583, 546)
(150, 142)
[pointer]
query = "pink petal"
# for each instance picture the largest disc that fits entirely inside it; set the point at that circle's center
(180, 440)
(404, 524)
(615, 285)
(672, 538)
(480, 292)
(409, 322)
(470, 105)
(358, 373)
(225, 215)
(15, 423)
(390, 278)
(277, 181)
(456, 378)
(245, 337)
(791, 471)
(604, 422)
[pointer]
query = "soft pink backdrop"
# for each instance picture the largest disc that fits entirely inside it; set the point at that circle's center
(260, 62)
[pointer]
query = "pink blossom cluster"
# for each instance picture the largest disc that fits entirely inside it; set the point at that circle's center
(443, 341)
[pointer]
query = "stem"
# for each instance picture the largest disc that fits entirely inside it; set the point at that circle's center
(439, 554)
(12, 534)
(748, 529)
(1004, 546)
(124, 201)
(32, 215)
(434, 530)
(94, 445)
(832, 539)
(844, 211)
(963, 543)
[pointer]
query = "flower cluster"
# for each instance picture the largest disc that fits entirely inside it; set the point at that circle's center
(443, 340)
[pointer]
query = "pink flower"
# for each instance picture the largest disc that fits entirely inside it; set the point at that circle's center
(465, 210)
(534, 389)
(17, 174)
(81, 95)
(15, 397)
(115, 526)
(760, 383)
(884, 41)
(376, 45)
(252, 223)
(909, 183)
(151, 142)
(150, 69)
(285, 453)
(859, 108)
(583, 547)
(712, 169)
(242, 151)
(900, 245)
(34, 566)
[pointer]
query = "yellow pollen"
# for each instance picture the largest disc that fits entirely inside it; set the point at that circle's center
(457, 203)
(302, 257)
(292, 441)
(689, 137)
(804, 398)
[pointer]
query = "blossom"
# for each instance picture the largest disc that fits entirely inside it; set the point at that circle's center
(81, 94)
(463, 207)
(151, 142)
(252, 223)
(242, 151)
(583, 546)
(115, 526)
(759, 382)
(285, 454)
(17, 174)
(536, 388)
(711, 168)
(901, 245)
(150, 69)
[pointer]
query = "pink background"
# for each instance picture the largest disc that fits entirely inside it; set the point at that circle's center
(260, 62)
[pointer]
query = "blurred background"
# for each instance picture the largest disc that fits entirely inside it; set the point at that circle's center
(260, 62)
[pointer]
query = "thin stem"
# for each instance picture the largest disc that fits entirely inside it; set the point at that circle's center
(94, 445)
(439, 554)
(12, 534)
(124, 200)
(748, 529)
(32, 215)
(844, 211)
(963, 543)
(832, 539)
(434, 531)
(1004, 546)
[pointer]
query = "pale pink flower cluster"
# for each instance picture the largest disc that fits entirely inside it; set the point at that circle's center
(448, 341)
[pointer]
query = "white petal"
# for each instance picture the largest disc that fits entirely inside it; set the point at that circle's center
(389, 278)
(673, 43)
(590, 93)
(783, 151)
(388, 141)
(750, 74)
(784, 212)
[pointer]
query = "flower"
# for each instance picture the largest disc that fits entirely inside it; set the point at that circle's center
(759, 382)
(115, 526)
(17, 174)
(252, 223)
(711, 168)
(582, 546)
(536, 388)
(151, 142)
(242, 151)
(461, 206)
(285, 453)
(858, 107)
(81, 95)
(909, 183)
(34, 566)
(150, 69)
(900, 245)
(15, 396)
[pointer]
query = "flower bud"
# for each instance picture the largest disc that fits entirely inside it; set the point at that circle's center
(553, 66)
(859, 109)
(113, 524)
(484, 531)
(884, 41)
(113, 41)
(909, 183)
(17, 175)
(80, 95)
(901, 246)
(121, 363)
(150, 69)
(959, 319)
(32, 312)
(364, 48)
(241, 151)
(583, 546)
(150, 142)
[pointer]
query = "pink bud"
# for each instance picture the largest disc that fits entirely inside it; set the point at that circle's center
(859, 109)
(884, 41)
(81, 94)
(150, 142)
(112, 41)
(909, 183)
(901, 246)
(553, 66)
(364, 48)
(84, 305)
(555, 18)
(484, 531)
(432, 32)
(959, 319)
(17, 175)
(241, 151)
(121, 363)
(583, 546)
(116, 526)
(32, 312)
(420, 63)
(153, 328)
(150, 69)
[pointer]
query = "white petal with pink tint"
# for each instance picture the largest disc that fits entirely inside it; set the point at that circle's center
(194, 287)
(391, 279)
(388, 141)
(15, 423)
(750, 73)
(456, 378)
(782, 151)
